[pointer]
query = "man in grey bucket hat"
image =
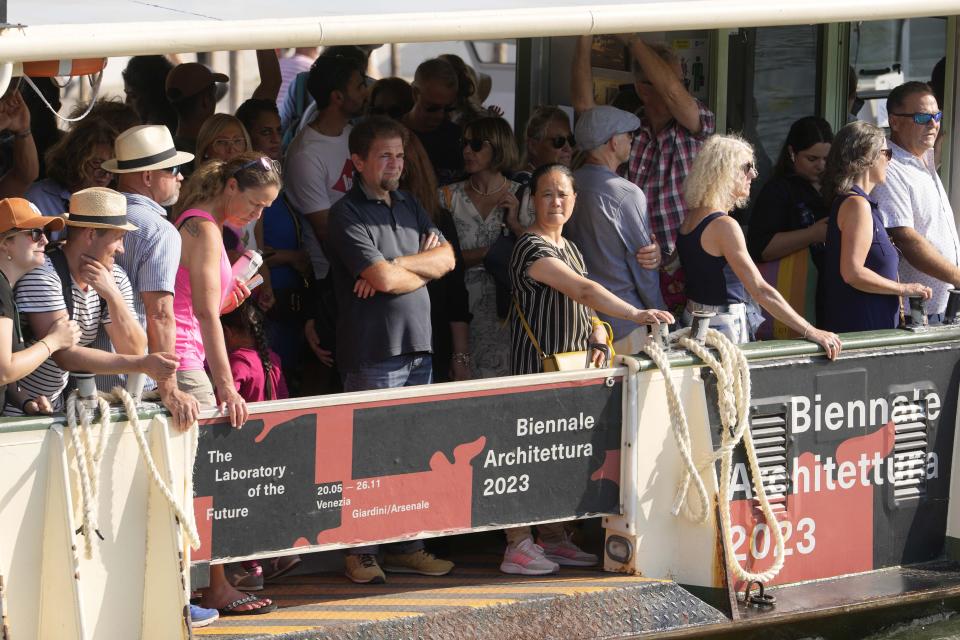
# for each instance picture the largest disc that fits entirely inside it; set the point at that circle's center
(610, 223)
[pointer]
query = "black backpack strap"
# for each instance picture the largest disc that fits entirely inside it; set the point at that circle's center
(66, 282)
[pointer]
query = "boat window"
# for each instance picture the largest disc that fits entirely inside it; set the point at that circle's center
(886, 53)
(773, 80)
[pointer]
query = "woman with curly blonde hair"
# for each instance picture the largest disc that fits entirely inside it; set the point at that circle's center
(720, 273)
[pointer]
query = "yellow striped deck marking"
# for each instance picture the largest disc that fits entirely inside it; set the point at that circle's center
(530, 588)
(421, 602)
(313, 614)
(341, 587)
(228, 631)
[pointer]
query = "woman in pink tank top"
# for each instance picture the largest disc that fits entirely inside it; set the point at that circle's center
(218, 193)
(234, 192)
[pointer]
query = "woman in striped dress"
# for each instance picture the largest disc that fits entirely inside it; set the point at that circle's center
(555, 297)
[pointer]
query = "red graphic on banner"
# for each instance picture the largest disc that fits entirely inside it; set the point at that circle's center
(201, 507)
(610, 469)
(404, 505)
(828, 524)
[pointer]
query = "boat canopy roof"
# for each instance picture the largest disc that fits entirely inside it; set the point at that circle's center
(63, 29)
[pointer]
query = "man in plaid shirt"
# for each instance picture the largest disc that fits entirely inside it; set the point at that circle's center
(674, 126)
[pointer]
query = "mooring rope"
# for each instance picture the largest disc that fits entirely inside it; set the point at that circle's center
(89, 459)
(733, 399)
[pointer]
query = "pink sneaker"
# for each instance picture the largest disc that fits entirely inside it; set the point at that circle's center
(527, 559)
(567, 554)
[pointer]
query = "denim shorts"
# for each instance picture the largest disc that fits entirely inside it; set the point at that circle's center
(731, 321)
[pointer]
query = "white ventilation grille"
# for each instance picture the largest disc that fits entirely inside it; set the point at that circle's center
(909, 450)
(770, 441)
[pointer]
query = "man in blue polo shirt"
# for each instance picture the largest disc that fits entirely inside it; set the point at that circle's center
(383, 250)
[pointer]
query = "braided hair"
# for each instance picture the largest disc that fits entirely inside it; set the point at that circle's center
(248, 318)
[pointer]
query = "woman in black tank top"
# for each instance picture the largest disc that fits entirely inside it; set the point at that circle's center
(719, 271)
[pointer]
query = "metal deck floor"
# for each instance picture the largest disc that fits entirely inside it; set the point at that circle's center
(475, 601)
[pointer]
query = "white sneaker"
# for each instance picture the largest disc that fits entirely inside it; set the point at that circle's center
(526, 558)
(567, 554)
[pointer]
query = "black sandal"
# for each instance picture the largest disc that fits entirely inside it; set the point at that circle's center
(231, 609)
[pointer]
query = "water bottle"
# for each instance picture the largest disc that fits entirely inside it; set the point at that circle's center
(247, 265)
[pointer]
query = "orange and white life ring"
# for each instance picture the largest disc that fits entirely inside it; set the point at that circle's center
(75, 67)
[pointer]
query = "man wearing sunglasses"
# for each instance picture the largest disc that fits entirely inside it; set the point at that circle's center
(147, 166)
(435, 88)
(913, 203)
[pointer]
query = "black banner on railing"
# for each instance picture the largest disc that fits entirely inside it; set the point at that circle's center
(365, 472)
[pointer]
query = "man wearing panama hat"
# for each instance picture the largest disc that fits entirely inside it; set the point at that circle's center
(99, 292)
(147, 166)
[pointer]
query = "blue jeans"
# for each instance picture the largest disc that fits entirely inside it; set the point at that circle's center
(399, 371)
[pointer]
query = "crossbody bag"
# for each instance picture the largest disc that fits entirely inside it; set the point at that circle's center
(568, 360)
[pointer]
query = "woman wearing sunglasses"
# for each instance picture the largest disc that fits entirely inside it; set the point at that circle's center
(713, 252)
(861, 287)
(548, 140)
(480, 206)
(21, 250)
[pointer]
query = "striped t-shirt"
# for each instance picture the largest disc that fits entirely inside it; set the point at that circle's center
(40, 291)
(559, 323)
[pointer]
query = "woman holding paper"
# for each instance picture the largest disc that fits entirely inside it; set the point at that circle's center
(218, 193)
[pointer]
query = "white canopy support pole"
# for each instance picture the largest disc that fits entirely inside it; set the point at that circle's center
(6, 73)
(64, 29)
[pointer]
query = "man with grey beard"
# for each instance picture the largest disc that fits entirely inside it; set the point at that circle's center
(148, 173)
(383, 250)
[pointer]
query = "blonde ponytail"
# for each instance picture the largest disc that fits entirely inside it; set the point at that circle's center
(206, 183)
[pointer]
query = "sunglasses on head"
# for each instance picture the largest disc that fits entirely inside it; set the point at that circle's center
(559, 141)
(446, 108)
(921, 118)
(262, 163)
(475, 144)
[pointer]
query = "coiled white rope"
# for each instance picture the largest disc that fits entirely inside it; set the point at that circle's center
(733, 399)
(88, 463)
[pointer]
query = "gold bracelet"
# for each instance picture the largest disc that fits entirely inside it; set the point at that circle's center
(595, 321)
(49, 352)
(806, 331)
